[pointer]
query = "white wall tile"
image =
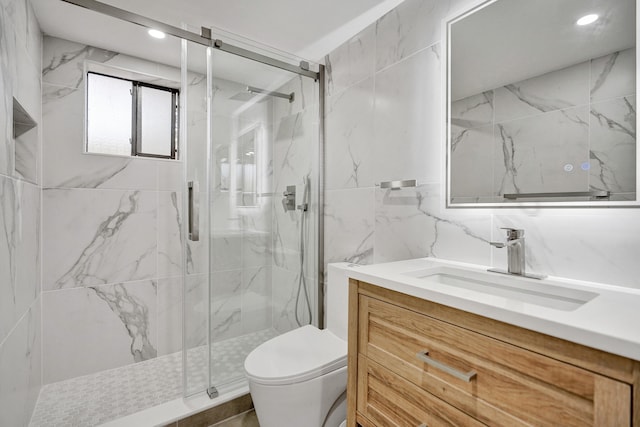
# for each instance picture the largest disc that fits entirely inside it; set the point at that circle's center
(93, 237)
(410, 27)
(95, 328)
(352, 62)
(169, 315)
(349, 137)
(407, 118)
(349, 225)
(614, 75)
(20, 362)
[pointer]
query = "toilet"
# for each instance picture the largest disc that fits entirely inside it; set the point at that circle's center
(300, 378)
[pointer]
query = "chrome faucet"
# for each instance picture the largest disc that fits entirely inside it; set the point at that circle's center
(515, 254)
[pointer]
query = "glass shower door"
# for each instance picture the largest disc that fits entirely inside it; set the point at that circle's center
(195, 152)
(265, 142)
(251, 152)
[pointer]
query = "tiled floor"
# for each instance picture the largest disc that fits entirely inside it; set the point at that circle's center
(93, 399)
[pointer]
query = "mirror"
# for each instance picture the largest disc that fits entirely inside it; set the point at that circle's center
(541, 110)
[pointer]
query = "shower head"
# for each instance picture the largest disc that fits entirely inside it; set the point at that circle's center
(242, 96)
(255, 90)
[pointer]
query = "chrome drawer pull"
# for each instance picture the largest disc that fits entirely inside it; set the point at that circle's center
(465, 376)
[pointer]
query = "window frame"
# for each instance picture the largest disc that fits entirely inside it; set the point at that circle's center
(135, 139)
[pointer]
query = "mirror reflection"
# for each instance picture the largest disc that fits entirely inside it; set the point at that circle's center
(541, 104)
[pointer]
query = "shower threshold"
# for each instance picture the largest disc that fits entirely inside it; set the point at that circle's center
(107, 396)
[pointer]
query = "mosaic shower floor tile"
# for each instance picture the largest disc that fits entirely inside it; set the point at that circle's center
(104, 396)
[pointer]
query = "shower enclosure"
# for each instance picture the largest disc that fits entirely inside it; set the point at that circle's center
(197, 259)
(252, 185)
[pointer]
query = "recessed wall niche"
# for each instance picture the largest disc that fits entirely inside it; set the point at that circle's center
(26, 143)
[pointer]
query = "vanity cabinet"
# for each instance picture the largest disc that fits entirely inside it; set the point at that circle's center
(413, 362)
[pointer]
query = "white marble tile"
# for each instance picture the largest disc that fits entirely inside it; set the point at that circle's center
(614, 75)
(472, 154)
(553, 91)
(306, 95)
(20, 367)
(19, 250)
(170, 237)
(407, 127)
(7, 73)
(195, 318)
(294, 149)
(9, 230)
(543, 153)
(349, 132)
(256, 299)
(411, 223)
(352, 62)
(226, 304)
(613, 145)
(169, 315)
(27, 84)
(473, 111)
(66, 165)
(91, 329)
(27, 155)
(170, 176)
(256, 248)
(93, 237)
(62, 61)
(25, 27)
(226, 250)
(410, 27)
(600, 247)
(284, 286)
(349, 226)
(286, 237)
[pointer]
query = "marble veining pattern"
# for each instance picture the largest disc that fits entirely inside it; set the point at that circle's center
(134, 316)
(574, 152)
(116, 243)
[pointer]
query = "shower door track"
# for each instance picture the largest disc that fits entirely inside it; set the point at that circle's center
(203, 39)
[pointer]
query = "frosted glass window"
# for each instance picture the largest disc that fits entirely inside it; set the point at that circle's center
(156, 121)
(131, 118)
(109, 108)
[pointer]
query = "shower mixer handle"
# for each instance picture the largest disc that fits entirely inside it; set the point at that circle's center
(289, 200)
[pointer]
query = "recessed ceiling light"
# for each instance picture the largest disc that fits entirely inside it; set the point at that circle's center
(157, 34)
(587, 19)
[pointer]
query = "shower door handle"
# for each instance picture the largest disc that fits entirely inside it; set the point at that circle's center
(194, 211)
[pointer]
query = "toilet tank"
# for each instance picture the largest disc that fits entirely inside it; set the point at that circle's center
(337, 298)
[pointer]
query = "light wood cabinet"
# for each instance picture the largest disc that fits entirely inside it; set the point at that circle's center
(414, 362)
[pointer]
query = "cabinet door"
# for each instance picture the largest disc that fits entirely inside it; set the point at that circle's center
(387, 399)
(511, 386)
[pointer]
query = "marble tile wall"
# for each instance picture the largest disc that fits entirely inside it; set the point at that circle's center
(567, 130)
(112, 259)
(20, 215)
(383, 122)
(294, 160)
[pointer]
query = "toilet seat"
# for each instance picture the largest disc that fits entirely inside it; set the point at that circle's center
(296, 356)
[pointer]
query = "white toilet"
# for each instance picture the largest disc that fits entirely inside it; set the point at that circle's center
(300, 378)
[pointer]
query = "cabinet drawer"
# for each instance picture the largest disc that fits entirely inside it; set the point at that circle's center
(511, 386)
(386, 399)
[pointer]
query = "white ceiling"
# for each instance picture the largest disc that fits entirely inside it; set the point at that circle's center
(513, 40)
(307, 29)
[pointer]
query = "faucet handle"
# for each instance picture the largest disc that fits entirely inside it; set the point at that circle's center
(513, 233)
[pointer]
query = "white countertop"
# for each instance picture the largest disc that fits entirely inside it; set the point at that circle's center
(608, 322)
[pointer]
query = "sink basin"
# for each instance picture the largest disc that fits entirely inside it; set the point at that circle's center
(470, 284)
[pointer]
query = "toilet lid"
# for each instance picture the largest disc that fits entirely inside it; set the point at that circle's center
(296, 356)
